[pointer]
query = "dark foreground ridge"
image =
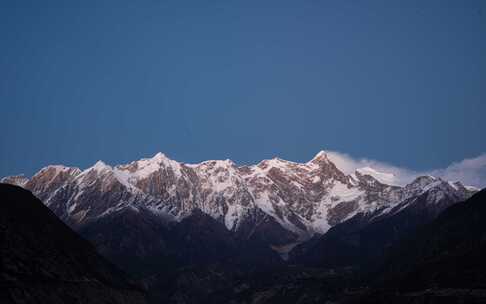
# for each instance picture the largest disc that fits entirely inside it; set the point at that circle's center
(44, 261)
(443, 262)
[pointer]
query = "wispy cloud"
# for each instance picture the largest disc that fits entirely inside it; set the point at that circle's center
(349, 164)
(471, 171)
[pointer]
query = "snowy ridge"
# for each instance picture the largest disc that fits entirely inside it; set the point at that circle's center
(302, 198)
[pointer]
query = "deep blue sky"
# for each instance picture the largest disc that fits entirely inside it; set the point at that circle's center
(402, 82)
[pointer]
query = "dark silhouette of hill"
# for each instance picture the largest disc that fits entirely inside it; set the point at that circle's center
(44, 261)
(450, 252)
(443, 262)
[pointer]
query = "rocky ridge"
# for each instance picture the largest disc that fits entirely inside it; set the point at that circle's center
(300, 199)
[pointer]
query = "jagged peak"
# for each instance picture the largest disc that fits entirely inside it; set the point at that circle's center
(424, 180)
(215, 161)
(320, 156)
(226, 163)
(273, 162)
(146, 166)
(428, 182)
(460, 185)
(425, 183)
(56, 169)
(19, 180)
(159, 156)
(15, 176)
(100, 165)
(277, 161)
(160, 159)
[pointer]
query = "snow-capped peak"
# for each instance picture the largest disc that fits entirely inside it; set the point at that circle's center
(217, 162)
(159, 157)
(146, 166)
(19, 180)
(58, 169)
(423, 181)
(100, 166)
(322, 155)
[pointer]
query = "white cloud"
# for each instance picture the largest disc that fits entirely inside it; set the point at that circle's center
(348, 165)
(471, 172)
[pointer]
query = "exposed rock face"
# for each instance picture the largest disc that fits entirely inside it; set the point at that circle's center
(276, 200)
(362, 241)
(18, 180)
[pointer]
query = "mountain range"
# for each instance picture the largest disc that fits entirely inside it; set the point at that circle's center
(296, 199)
(215, 231)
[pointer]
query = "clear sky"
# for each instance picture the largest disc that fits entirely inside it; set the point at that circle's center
(399, 81)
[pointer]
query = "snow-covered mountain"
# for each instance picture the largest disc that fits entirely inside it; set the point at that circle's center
(298, 199)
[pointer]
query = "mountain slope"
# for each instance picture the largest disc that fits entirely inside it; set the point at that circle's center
(442, 262)
(44, 261)
(278, 201)
(447, 253)
(362, 242)
(143, 244)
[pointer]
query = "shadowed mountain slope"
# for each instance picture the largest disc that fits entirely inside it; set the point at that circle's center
(44, 261)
